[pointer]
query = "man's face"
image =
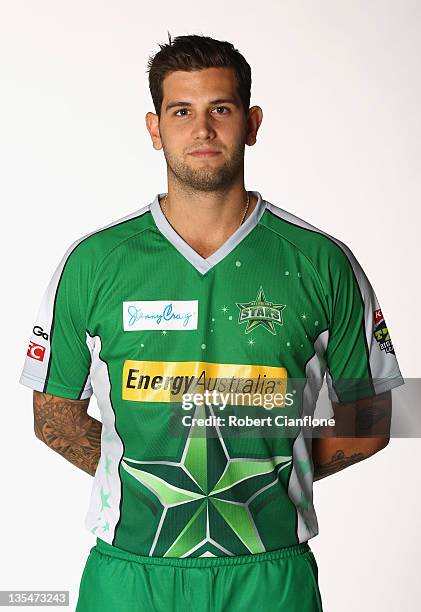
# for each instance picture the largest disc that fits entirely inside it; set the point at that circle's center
(201, 111)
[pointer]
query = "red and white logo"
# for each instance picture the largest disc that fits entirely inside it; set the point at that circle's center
(36, 351)
(378, 316)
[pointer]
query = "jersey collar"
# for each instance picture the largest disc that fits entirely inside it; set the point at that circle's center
(202, 264)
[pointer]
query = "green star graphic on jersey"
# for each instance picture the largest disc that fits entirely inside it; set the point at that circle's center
(260, 312)
(107, 463)
(197, 494)
(305, 466)
(104, 500)
(304, 503)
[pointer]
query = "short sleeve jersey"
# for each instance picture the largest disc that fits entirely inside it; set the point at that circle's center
(136, 316)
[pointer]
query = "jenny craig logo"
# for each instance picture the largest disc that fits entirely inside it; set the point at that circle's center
(160, 314)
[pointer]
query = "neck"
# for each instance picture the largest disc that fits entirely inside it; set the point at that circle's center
(205, 220)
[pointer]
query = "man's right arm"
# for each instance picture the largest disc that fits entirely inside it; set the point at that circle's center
(64, 425)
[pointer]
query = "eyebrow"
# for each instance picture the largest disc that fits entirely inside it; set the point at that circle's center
(217, 101)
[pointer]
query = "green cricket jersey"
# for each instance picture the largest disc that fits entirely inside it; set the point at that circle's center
(135, 316)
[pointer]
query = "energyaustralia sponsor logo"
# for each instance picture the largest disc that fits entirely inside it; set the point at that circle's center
(170, 381)
(160, 314)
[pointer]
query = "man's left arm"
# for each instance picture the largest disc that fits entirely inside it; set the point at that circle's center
(365, 428)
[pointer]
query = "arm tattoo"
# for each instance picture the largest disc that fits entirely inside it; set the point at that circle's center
(366, 425)
(366, 418)
(374, 415)
(65, 426)
(338, 462)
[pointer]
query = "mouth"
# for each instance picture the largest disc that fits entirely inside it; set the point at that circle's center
(205, 153)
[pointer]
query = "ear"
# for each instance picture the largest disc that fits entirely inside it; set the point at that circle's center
(152, 124)
(254, 119)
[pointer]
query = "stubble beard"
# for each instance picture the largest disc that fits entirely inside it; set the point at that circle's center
(206, 178)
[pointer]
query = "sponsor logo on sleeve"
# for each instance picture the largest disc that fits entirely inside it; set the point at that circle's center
(36, 351)
(381, 333)
(38, 331)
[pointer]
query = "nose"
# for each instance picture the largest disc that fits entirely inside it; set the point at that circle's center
(203, 128)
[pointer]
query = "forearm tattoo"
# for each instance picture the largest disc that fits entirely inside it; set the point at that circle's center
(366, 418)
(378, 414)
(64, 426)
(338, 462)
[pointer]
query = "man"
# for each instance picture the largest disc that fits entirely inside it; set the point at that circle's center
(209, 289)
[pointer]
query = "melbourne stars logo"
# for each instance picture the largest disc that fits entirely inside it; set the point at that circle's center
(260, 312)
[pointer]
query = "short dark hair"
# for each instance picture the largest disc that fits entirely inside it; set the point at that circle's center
(196, 52)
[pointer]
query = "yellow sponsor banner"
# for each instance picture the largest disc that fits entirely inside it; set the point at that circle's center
(169, 381)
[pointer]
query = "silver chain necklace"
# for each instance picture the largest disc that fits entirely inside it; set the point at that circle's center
(164, 204)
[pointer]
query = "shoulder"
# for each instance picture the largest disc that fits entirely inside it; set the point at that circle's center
(92, 248)
(321, 248)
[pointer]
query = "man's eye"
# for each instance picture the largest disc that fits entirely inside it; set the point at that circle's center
(180, 110)
(221, 107)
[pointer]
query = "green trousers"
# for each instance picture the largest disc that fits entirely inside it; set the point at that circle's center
(284, 580)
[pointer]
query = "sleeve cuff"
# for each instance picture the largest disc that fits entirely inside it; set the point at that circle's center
(38, 384)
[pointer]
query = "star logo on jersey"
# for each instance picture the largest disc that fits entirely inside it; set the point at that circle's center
(260, 312)
(207, 495)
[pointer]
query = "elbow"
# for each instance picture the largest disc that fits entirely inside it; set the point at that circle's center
(379, 444)
(38, 432)
(384, 442)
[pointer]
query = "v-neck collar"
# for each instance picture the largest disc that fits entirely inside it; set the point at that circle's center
(202, 264)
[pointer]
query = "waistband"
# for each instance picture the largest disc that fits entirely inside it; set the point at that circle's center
(281, 553)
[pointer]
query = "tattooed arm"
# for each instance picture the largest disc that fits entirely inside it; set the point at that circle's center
(64, 425)
(366, 425)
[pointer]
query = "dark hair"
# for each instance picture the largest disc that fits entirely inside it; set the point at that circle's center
(196, 52)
